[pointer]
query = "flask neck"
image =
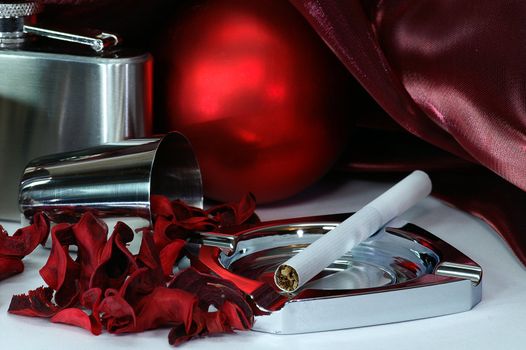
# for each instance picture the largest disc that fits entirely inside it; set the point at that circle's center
(14, 16)
(12, 32)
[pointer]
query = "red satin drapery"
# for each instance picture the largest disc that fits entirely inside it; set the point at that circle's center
(452, 73)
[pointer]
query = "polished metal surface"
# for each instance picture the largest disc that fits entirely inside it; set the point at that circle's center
(398, 274)
(95, 39)
(56, 101)
(116, 180)
(380, 262)
(469, 272)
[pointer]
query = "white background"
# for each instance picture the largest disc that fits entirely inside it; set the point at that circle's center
(498, 322)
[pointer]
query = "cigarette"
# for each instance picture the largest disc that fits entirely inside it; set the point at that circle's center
(302, 267)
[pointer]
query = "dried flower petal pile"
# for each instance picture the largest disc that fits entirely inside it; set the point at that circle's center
(105, 286)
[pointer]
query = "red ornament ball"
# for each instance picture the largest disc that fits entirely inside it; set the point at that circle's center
(258, 95)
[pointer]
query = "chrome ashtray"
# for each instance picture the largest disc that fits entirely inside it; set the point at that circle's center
(398, 274)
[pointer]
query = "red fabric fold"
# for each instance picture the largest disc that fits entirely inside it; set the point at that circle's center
(449, 73)
(446, 71)
(461, 67)
(346, 28)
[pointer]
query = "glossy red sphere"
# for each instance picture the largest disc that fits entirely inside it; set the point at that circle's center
(256, 92)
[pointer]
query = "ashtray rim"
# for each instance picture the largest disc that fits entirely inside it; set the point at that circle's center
(453, 267)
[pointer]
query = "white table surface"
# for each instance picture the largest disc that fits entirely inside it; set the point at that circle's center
(498, 322)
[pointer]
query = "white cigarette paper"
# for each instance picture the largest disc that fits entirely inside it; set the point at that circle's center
(301, 268)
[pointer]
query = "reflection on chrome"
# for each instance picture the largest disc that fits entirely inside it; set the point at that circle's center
(113, 180)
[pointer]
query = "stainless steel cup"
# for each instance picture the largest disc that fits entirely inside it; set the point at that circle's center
(115, 180)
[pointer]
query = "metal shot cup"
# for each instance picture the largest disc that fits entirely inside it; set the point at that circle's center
(116, 181)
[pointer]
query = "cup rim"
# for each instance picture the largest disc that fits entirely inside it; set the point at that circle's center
(176, 140)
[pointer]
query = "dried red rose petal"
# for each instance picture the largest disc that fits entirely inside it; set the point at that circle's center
(10, 266)
(163, 306)
(176, 220)
(91, 235)
(26, 239)
(77, 317)
(161, 206)
(215, 323)
(116, 261)
(67, 276)
(169, 255)
(184, 211)
(204, 323)
(166, 231)
(36, 303)
(116, 313)
(233, 310)
(160, 235)
(141, 283)
(179, 334)
(173, 210)
(215, 291)
(61, 272)
(237, 316)
(148, 254)
(91, 299)
(237, 213)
